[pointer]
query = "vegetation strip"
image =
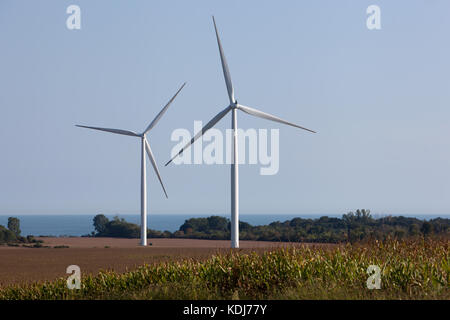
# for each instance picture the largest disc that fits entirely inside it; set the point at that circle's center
(352, 227)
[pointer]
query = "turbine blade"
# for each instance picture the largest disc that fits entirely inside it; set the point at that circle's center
(208, 126)
(267, 116)
(118, 131)
(160, 114)
(226, 71)
(152, 160)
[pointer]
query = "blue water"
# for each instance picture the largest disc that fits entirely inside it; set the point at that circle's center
(77, 225)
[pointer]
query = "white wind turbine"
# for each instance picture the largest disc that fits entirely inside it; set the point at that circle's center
(233, 107)
(145, 147)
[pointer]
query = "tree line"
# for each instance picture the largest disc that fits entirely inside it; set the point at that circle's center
(11, 234)
(352, 227)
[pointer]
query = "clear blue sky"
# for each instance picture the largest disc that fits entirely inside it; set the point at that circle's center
(378, 99)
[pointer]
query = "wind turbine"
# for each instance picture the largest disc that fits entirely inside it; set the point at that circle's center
(145, 148)
(233, 107)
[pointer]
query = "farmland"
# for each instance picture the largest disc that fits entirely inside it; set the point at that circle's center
(22, 265)
(410, 269)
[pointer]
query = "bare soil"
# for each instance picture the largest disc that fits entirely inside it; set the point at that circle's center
(85, 242)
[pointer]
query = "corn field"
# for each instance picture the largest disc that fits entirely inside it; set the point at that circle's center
(410, 269)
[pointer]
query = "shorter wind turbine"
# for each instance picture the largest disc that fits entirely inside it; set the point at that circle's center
(233, 107)
(145, 148)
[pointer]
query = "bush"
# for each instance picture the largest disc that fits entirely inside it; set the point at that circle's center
(14, 225)
(7, 236)
(118, 228)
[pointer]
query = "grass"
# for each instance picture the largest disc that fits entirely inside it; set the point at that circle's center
(410, 269)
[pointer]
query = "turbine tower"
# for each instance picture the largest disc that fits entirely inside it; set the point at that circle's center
(233, 107)
(145, 148)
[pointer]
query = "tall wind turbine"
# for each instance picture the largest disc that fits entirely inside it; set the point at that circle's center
(233, 107)
(145, 148)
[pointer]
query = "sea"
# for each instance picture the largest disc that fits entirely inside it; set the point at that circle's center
(79, 225)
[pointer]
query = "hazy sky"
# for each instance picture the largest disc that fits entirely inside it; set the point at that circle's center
(379, 100)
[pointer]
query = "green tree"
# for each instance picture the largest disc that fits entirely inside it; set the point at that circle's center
(217, 223)
(427, 228)
(100, 223)
(14, 225)
(363, 215)
(413, 229)
(119, 228)
(7, 235)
